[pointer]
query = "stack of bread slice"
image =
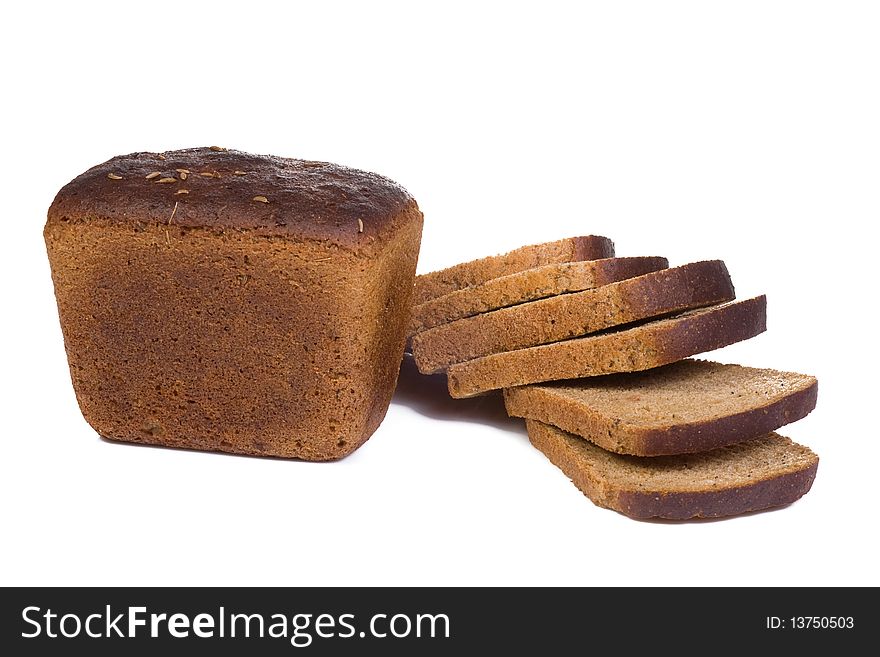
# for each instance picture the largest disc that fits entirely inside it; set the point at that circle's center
(594, 352)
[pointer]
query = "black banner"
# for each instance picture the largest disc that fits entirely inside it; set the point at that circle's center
(406, 621)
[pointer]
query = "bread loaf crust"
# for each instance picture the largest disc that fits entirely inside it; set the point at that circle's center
(759, 496)
(229, 189)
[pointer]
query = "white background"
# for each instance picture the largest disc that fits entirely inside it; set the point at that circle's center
(746, 131)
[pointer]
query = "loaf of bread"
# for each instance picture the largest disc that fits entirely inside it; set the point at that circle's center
(688, 406)
(566, 316)
(217, 300)
(529, 285)
(642, 347)
(466, 274)
(767, 472)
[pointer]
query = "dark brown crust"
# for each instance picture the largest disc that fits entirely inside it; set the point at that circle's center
(573, 315)
(437, 283)
(766, 494)
(698, 332)
(628, 350)
(612, 270)
(306, 200)
(592, 247)
(702, 436)
(537, 403)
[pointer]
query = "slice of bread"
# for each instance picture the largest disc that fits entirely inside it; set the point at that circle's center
(689, 406)
(466, 274)
(628, 350)
(529, 285)
(767, 472)
(572, 315)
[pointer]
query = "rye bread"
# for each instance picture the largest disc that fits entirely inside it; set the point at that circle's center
(689, 406)
(632, 349)
(529, 285)
(217, 300)
(767, 472)
(437, 283)
(566, 316)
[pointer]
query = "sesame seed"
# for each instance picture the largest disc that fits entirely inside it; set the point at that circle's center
(182, 170)
(182, 191)
(239, 173)
(166, 180)
(160, 156)
(217, 148)
(210, 174)
(113, 176)
(155, 174)
(360, 225)
(261, 199)
(183, 175)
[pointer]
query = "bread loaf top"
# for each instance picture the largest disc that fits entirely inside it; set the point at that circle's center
(216, 188)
